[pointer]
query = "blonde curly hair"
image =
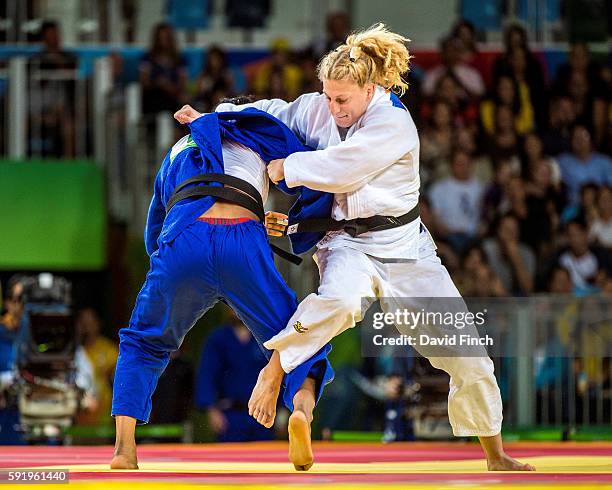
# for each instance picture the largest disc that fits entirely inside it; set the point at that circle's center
(375, 55)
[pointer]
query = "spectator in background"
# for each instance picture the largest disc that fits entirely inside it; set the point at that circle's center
(590, 108)
(52, 56)
(457, 202)
(557, 137)
(338, 28)
(452, 52)
(531, 91)
(506, 93)
(560, 281)
(163, 73)
(601, 228)
(581, 78)
(436, 142)
(448, 90)
(10, 326)
(533, 156)
(465, 138)
(495, 196)
(476, 278)
(586, 208)
(503, 144)
(579, 60)
(465, 32)
(583, 262)
(520, 63)
(532, 212)
(513, 261)
(52, 101)
(229, 365)
(102, 354)
(308, 66)
(544, 201)
(278, 75)
(215, 79)
(583, 165)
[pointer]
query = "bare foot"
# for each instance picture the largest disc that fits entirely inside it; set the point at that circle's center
(262, 404)
(124, 459)
(300, 445)
(506, 463)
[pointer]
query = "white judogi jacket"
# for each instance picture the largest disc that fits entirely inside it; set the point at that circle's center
(375, 170)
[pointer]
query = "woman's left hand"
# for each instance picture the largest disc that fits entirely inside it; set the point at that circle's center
(276, 170)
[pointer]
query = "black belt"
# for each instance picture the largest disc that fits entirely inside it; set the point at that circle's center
(355, 226)
(236, 191)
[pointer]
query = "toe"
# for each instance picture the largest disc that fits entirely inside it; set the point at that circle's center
(270, 422)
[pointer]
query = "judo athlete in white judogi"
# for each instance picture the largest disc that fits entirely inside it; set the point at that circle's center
(368, 156)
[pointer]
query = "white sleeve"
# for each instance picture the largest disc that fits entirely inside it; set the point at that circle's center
(385, 137)
(293, 114)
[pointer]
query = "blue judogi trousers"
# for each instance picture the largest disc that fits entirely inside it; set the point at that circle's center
(204, 264)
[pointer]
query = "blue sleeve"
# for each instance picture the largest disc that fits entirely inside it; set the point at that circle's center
(291, 191)
(208, 376)
(155, 218)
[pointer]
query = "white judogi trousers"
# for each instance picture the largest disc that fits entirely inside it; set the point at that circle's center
(347, 277)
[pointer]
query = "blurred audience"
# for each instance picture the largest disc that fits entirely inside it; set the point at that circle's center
(11, 325)
(215, 82)
(437, 142)
(102, 354)
(600, 232)
(52, 80)
(452, 51)
(457, 202)
(338, 27)
(556, 137)
(581, 79)
(163, 74)
(464, 31)
(582, 261)
(476, 277)
(279, 77)
(506, 93)
(521, 64)
(583, 165)
(511, 259)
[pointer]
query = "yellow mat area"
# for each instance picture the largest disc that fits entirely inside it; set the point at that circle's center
(544, 464)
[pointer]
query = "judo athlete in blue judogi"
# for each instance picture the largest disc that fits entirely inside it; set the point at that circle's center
(229, 364)
(203, 251)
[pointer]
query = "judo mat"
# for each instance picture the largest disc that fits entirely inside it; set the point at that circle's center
(337, 465)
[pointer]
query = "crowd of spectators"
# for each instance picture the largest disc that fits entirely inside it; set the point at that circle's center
(514, 162)
(515, 170)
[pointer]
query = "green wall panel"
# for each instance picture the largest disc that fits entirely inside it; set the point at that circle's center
(52, 215)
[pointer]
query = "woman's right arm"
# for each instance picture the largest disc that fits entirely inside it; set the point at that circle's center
(293, 114)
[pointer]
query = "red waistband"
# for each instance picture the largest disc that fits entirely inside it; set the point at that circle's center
(225, 221)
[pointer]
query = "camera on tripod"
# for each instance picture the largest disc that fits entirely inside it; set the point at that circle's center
(47, 389)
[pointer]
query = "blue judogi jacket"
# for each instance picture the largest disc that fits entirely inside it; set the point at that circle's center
(255, 129)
